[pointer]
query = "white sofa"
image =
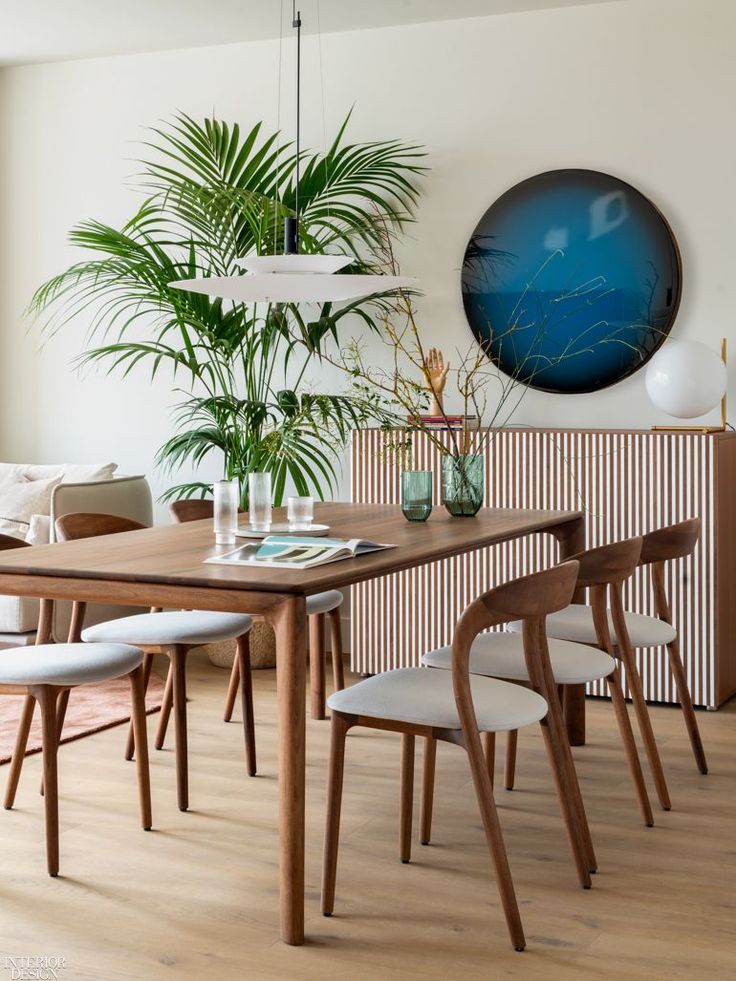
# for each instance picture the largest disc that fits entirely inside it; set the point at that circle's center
(129, 497)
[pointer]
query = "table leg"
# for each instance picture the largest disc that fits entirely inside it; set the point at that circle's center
(290, 624)
(572, 540)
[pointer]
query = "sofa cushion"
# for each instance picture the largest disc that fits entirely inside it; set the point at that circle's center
(18, 614)
(72, 473)
(39, 532)
(20, 500)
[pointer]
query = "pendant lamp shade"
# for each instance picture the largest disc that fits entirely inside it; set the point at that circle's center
(293, 287)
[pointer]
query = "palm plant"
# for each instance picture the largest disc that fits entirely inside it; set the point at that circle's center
(212, 194)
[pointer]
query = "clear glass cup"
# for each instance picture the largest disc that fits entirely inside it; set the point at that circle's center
(416, 494)
(259, 498)
(300, 512)
(227, 499)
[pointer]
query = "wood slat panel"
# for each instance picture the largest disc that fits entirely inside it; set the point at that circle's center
(626, 482)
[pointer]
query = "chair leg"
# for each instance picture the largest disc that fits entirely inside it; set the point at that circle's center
(425, 816)
(633, 679)
(317, 664)
(167, 704)
(147, 665)
(19, 751)
(563, 784)
(61, 707)
(47, 698)
(140, 735)
(686, 704)
(510, 774)
(334, 803)
(338, 668)
(232, 690)
(178, 657)
(494, 837)
(407, 796)
(627, 738)
(246, 699)
(489, 738)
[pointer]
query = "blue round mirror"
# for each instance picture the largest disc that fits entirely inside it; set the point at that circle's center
(571, 281)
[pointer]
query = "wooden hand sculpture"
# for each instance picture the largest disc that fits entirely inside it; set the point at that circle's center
(435, 373)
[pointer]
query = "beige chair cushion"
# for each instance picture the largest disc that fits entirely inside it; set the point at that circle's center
(501, 655)
(324, 602)
(575, 623)
(190, 627)
(424, 697)
(67, 664)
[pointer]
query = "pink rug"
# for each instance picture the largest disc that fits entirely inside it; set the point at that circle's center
(91, 709)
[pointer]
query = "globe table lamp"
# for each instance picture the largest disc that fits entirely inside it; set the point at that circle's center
(687, 379)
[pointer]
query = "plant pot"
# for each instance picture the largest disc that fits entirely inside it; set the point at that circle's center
(262, 648)
(462, 484)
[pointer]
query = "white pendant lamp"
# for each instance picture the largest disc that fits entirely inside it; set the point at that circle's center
(294, 277)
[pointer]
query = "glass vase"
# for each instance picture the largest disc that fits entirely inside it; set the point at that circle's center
(226, 500)
(416, 494)
(462, 484)
(259, 501)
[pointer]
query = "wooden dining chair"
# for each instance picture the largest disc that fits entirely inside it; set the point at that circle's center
(501, 655)
(319, 607)
(605, 624)
(174, 633)
(456, 707)
(44, 674)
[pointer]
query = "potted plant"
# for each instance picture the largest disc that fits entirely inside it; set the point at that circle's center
(212, 194)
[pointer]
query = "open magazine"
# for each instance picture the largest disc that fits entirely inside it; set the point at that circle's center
(292, 552)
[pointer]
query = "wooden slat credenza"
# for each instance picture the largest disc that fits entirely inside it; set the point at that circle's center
(627, 482)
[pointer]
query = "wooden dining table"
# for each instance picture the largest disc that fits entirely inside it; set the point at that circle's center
(164, 566)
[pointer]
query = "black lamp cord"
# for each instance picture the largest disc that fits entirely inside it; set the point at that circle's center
(291, 225)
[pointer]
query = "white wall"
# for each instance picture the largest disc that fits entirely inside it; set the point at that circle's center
(642, 89)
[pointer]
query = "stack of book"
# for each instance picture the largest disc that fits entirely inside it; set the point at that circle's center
(444, 422)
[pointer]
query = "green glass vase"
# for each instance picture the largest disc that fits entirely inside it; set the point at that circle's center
(462, 484)
(416, 494)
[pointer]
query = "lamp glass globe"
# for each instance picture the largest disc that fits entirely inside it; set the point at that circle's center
(686, 379)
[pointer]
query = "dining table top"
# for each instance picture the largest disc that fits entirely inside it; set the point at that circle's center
(175, 553)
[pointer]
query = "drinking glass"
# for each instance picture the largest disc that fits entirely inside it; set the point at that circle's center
(259, 494)
(416, 494)
(300, 511)
(227, 498)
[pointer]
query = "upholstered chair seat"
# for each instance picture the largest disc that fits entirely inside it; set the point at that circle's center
(324, 602)
(426, 698)
(67, 664)
(190, 627)
(576, 624)
(501, 655)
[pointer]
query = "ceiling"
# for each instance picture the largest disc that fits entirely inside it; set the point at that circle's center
(59, 30)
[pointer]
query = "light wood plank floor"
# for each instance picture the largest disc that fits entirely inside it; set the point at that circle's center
(197, 897)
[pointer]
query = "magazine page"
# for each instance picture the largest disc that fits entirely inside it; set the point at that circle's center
(295, 552)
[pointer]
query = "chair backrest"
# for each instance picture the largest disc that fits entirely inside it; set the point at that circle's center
(126, 496)
(87, 525)
(672, 542)
(605, 569)
(530, 598)
(192, 509)
(608, 564)
(8, 542)
(663, 545)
